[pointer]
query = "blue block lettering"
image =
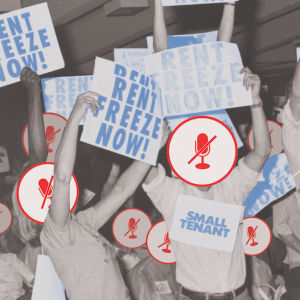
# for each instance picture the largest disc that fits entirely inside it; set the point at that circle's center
(156, 128)
(119, 139)
(148, 121)
(125, 116)
(119, 88)
(104, 134)
(167, 60)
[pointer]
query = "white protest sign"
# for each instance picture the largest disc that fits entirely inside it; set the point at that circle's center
(130, 119)
(60, 93)
(47, 284)
(132, 58)
(199, 78)
(28, 40)
(176, 41)
(205, 223)
(218, 114)
(190, 2)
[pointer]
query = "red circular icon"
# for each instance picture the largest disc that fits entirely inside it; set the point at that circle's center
(202, 151)
(130, 228)
(275, 131)
(5, 218)
(159, 244)
(35, 190)
(54, 127)
(257, 236)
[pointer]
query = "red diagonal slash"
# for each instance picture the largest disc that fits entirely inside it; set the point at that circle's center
(132, 227)
(251, 235)
(47, 191)
(162, 244)
(1, 212)
(53, 134)
(270, 137)
(205, 146)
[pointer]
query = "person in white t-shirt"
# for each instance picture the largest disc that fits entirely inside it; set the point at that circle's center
(83, 259)
(205, 273)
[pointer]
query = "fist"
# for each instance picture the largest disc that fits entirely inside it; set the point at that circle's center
(83, 102)
(30, 80)
(253, 81)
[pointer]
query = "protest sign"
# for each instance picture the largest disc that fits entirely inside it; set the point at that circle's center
(130, 119)
(176, 41)
(60, 93)
(190, 2)
(206, 223)
(28, 40)
(47, 284)
(298, 53)
(199, 78)
(218, 114)
(132, 58)
(278, 182)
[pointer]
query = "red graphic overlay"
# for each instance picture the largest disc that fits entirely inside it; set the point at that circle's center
(34, 190)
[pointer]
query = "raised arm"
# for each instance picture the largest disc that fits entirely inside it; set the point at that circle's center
(256, 159)
(160, 36)
(65, 158)
(36, 130)
(227, 23)
(295, 94)
(126, 185)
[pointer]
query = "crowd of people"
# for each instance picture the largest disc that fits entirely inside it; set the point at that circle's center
(85, 255)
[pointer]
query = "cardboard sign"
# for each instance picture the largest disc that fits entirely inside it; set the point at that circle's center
(176, 41)
(205, 223)
(47, 284)
(278, 182)
(190, 2)
(132, 58)
(218, 114)
(60, 93)
(199, 78)
(130, 119)
(28, 40)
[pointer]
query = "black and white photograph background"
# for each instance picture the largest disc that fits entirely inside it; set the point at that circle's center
(121, 75)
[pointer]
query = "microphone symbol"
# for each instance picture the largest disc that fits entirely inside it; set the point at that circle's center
(202, 139)
(45, 189)
(251, 235)
(50, 136)
(166, 242)
(132, 226)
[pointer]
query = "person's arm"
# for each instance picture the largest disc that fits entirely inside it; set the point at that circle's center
(65, 158)
(24, 271)
(113, 177)
(126, 185)
(291, 241)
(36, 130)
(160, 36)
(256, 159)
(295, 94)
(227, 23)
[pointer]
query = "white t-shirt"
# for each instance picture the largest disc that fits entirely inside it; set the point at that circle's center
(85, 261)
(200, 269)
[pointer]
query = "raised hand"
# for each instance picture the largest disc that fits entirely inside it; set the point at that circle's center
(165, 134)
(31, 80)
(253, 81)
(83, 102)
